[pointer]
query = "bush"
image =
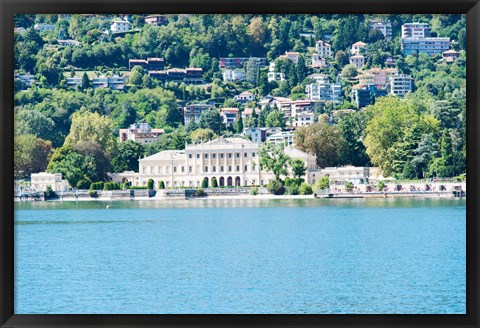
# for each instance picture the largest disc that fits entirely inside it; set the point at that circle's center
(254, 191)
(204, 184)
(84, 183)
(199, 192)
(323, 183)
(150, 184)
(292, 189)
(305, 189)
(381, 185)
(93, 193)
(349, 185)
(161, 184)
(49, 193)
(276, 187)
(96, 186)
(138, 187)
(214, 183)
(111, 186)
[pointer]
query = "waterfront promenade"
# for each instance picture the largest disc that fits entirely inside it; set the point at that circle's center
(392, 190)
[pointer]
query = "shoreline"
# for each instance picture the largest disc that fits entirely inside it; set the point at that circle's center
(260, 196)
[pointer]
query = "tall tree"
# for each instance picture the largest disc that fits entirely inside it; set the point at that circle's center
(323, 140)
(274, 159)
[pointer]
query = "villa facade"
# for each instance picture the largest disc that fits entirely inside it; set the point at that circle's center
(231, 161)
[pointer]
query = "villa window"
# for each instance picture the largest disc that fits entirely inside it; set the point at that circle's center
(175, 169)
(214, 168)
(238, 168)
(214, 156)
(221, 155)
(221, 168)
(238, 155)
(189, 155)
(183, 169)
(190, 169)
(245, 155)
(198, 155)
(230, 155)
(229, 168)
(206, 168)
(253, 154)
(246, 168)
(206, 155)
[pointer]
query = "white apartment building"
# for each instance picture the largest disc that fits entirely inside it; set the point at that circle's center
(113, 82)
(231, 161)
(303, 119)
(430, 46)
(323, 49)
(234, 75)
(400, 84)
(40, 181)
(274, 76)
(229, 115)
(74, 81)
(141, 133)
(357, 60)
(381, 76)
(324, 91)
(383, 26)
(194, 112)
(416, 30)
(27, 78)
(120, 26)
(357, 46)
(259, 135)
(280, 137)
(366, 79)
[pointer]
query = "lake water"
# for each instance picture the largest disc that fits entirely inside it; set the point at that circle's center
(241, 256)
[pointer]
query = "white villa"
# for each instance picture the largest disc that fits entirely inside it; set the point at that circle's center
(323, 49)
(232, 161)
(119, 26)
(40, 181)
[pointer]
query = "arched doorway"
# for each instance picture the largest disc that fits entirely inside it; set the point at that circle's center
(229, 182)
(205, 182)
(237, 181)
(222, 182)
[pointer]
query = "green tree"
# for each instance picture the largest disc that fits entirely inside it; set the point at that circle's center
(349, 71)
(274, 159)
(298, 168)
(87, 126)
(238, 124)
(394, 132)
(323, 140)
(275, 119)
(211, 119)
(127, 156)
(203, 135)
(31, 155)
(86, 84)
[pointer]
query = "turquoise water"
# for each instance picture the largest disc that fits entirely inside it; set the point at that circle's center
(241, 256)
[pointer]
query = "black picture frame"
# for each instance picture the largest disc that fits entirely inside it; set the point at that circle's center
(9, 8)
